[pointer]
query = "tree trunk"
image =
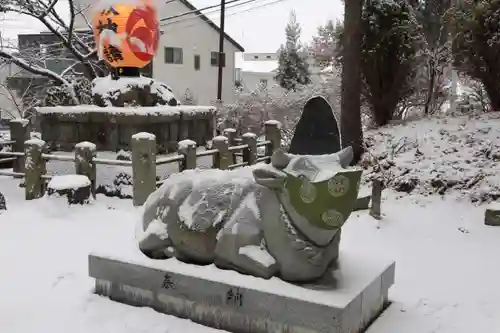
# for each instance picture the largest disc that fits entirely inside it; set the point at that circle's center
(431, 89)
(492, 91)
(350, 117)
(382, 114)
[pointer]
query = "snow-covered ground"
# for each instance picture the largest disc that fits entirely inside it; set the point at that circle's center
(446, 279)
(452, 155)
(447, 269)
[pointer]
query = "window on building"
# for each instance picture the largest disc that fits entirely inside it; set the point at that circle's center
(263, 83)
(197, 61)
(173, 55)
(214, 59)
(58, 65)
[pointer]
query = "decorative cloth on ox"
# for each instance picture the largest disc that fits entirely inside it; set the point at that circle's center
(325, 199)
(127, 34)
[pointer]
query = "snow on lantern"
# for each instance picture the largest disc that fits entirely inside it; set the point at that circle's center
(126, 32)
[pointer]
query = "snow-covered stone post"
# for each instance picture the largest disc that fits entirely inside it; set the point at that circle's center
(250, 153)
(76, 188)
(230, 134)
(143, 166)
(272, 130)
(187, 148)
(85, 152)
(19, 133)
(375, 210)
(491, 215)
(34, 168)
(222, 159)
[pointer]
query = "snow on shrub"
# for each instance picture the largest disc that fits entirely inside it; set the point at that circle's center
(477, 44)
(251, 110)
(391, 40)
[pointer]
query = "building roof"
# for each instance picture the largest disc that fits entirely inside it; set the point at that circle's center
(197, 12)
(211, 23)
(258, 66)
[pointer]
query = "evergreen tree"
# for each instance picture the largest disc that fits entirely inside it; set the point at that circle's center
(324, 44)
(293, 70)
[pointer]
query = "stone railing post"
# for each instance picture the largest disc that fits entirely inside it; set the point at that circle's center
(250, 153)
(19, 133)
(143, 166)
(375, 210)
(272, 130)
(230, 134)
(34, 169)
(222, 159)
(85, 152)
(187, 148)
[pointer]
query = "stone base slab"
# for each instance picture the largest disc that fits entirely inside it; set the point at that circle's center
(354, 295)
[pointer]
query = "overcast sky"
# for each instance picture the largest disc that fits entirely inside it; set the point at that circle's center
(258, 26)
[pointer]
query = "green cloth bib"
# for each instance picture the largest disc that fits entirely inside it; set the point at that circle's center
(326, 204)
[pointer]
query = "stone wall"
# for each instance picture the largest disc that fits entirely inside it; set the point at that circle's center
(111, 128)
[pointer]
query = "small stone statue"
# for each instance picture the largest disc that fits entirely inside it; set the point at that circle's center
(281, 219)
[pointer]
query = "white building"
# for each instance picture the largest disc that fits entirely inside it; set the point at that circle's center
(187, 57)
(259, 69)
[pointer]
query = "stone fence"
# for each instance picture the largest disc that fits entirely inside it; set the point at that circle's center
(110, 128)
(29, 157)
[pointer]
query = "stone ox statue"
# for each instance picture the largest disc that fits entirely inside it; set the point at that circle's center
(280, 219)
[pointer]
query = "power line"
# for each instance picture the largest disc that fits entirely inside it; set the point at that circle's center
(90, 36)
(195, 11)
(210, 12)
(232, 14)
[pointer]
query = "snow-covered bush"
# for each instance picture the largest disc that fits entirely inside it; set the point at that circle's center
(477, 44)
(188, 98)
(58, 95)
(3, 203)
(121, 187)
(472, 98)
(391, 40)
(131, 91)
(249, 111)
(123, 155)
(456, 155)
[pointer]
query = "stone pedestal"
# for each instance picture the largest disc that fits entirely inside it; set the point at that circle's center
(354, 296)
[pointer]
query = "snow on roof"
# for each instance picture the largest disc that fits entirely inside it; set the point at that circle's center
(197, 12)
(258, 66)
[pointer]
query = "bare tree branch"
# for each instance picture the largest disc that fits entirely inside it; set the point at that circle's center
(40, 71)
(50, 7)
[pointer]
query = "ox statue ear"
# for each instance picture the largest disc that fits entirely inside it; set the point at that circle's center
(269, 177)
(280, 159)
(345, 156)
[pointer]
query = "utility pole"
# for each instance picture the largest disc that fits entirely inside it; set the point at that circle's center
(221, 49)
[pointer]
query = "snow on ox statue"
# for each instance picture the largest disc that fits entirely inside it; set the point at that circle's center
(282, 219)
